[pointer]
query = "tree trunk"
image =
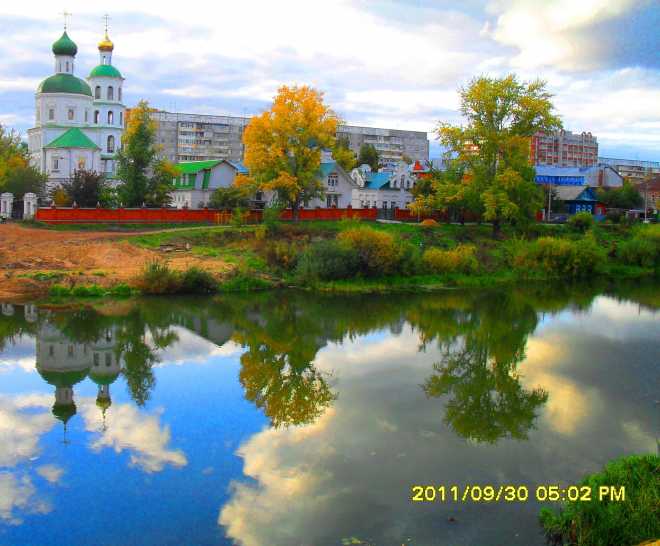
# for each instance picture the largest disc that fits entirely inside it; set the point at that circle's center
(295, 211)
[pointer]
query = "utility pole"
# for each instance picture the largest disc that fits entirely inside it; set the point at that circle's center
(646, 195)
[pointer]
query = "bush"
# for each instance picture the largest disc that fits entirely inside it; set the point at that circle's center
(158, 278)
(643, 248)
(377, 251)
(238, 217)
(282, 254)
(197, 281)
(600, 522)
(560, 257)
(429, 222)
(582, 221)
(91, 291)
(327, 260)
(461, 259)
(271, 219)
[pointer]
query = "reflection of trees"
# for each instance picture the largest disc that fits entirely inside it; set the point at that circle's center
(478, 371)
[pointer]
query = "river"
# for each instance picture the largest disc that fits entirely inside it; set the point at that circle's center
(290, 418)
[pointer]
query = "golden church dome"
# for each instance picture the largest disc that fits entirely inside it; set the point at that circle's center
(106, 44)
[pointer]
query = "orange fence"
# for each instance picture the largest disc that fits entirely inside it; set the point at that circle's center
(68, 215)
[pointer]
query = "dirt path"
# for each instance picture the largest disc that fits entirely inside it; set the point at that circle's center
(103, 258)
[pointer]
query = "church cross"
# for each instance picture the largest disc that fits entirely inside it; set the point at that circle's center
(66, 16)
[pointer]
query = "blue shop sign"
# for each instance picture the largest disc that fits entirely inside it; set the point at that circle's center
(560, 180)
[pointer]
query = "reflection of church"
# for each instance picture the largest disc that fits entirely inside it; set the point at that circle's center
(64, 363)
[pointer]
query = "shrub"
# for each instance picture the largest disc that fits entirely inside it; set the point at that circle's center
(597, 522)
(643, 248)
(282, 254)
(582, 221)
(121, 290)
(59, 291)
(271, 219)
(327, 260)
(197, 281)
(377, 251)
(91, 291)
(158, 278)
(238, 217)
(461, 259)
(429, 222)
(560, 257)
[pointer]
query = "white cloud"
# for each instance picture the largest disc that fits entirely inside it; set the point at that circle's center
(20, 431)
(50, 472)
(19, 493)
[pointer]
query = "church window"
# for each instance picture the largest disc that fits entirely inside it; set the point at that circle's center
(56, 164)
(111, 144)
(51, 351)
(70, 114)
(108, 359)
(97, 92)
(67, 66)
(111, 117)
(70, 350)
(96, 359)
(119, 94)
(51, 114)
(96, 116)
(121, 119)
(81, 163)
(111, 93)
(86, 116)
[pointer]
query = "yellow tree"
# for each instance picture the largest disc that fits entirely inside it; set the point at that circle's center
(283, 146)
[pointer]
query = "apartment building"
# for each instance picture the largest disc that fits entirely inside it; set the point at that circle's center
(200, 137)
(634, 169)
(564, 149)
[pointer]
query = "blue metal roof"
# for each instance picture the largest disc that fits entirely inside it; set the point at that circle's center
(375, 181)
(238, 166)
(327, 167)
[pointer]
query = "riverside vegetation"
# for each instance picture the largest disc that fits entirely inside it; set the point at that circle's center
(354, 256)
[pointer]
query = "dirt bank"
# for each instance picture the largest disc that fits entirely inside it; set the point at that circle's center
(32, 259)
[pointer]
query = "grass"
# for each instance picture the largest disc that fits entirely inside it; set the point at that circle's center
(58, 291)
(601, 522)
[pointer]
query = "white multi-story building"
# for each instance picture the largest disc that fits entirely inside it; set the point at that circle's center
(635, 169)
(78, 123)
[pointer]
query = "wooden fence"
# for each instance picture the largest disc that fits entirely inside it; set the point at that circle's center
(70, 215)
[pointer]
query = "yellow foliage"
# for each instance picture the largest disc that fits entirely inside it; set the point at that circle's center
(283, 145)
(461, 259)
(377, 250)
(60, 198)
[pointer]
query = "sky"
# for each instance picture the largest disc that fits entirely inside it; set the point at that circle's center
(394, 64)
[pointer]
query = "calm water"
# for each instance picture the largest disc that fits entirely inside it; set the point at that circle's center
(294, 419)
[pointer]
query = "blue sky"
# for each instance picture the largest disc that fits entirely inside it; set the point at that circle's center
(395, 64)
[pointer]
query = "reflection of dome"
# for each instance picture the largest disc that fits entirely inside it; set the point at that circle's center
(64, 83)
(106, 44)
(63, 379)
(65, 46)
(64, 412)
(103, 402)
(104, 379)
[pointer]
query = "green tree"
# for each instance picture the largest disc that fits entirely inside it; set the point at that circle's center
(85, 188)
(146, 179)
(493, 147)
(229, 198)
(343, 154)
(369, 156)
(17, 176)
(625, 197)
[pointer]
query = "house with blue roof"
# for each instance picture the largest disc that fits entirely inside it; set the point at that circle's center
(383, 189)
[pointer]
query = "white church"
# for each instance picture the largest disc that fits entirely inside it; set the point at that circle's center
(78, 123)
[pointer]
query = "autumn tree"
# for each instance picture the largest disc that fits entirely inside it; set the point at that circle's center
(492, 149)
(343, 154)
(17, 176)
(146, 179)
(369, 156)
(283, 146)
(229, 198)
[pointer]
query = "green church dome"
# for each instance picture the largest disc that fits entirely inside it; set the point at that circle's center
(103, 379)
(64, 83)
(63, 379)
(65, 46)
(64, 412)
(105, 71)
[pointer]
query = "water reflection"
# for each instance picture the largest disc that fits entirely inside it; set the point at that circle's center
(363, 397)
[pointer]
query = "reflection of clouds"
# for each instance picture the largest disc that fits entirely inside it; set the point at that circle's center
(20, 431)
(139, 433)
(191, 347)
(569, 405)
(19, 493)
(19, 354)
(50, 472)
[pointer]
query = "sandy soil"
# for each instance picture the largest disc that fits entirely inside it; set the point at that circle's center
(103, 258)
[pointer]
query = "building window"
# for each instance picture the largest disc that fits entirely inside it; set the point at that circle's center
(384, 204)
(96, 359)
(51, 114)
(108, 359)
(111, 144)
(97, 92)
(96, 116)
(110, 117)
(111, 93)
(332, 180)
(56, 164)
(81, 163)
(119, 94)
(51, 351)
(121, 119)
(393, 204)
(67, 66)
(86, 116)
(70, 114)
(70, 350)
(332, 200)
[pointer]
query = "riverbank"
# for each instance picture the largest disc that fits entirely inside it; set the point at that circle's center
(344, 256)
